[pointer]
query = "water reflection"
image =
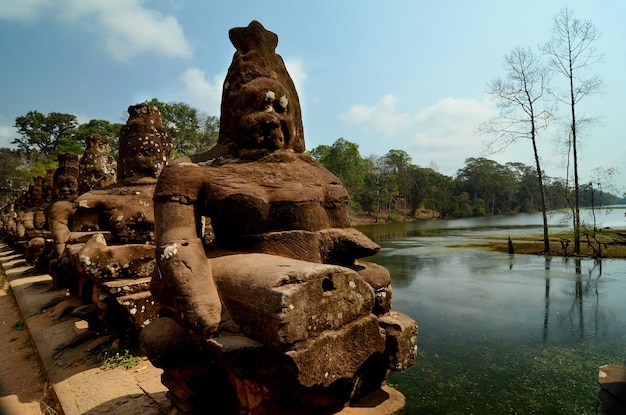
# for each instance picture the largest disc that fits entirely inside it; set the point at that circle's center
(484, 316)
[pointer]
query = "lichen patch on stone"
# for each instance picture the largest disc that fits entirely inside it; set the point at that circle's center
(169, 251)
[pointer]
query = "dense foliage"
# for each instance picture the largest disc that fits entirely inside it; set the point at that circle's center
(192, 131)
(393, 188)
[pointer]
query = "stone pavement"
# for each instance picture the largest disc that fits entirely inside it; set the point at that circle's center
(64, 344)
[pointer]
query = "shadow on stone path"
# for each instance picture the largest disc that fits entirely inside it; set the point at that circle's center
(63, 344)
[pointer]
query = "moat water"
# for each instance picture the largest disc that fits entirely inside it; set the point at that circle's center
(500, 333)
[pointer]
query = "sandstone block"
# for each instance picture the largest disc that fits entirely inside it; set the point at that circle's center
(338, 353)
(280, 301)
(380, 280)
(97, 260)
(401, 347)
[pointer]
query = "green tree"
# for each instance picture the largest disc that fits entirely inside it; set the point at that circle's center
(209, 132)
(377, 179)
(572, 54)
(100, 127)
(367, 197)
(399, 168)
(40, 134)
(10, 162)
(319, 153)
(344, 160)
(192, 131)
(491, 185)
(528, 192)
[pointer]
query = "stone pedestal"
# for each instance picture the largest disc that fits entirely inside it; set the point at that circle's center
(611, 390)
(301, 339)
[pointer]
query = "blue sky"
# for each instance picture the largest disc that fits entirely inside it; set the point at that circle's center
(409, 75)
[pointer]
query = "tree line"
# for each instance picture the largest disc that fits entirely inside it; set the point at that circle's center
(391, 187)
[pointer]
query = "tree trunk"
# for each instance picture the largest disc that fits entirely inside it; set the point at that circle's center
(576, 187)
(544, 210)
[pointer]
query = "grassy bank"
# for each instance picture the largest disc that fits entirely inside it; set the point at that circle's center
(605, 243)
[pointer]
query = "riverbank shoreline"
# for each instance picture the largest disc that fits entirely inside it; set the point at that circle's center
(604, 242)
(420, 215)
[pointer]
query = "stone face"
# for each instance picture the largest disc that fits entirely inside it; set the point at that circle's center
(260, 105)
(97, 166)
(66, 176)
(145, 145)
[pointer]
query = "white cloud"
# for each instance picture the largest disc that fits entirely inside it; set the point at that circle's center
(382, 117)
(443, 133)
(24, 11)
(451, 122)
(446, 132)
(7, 134)
(127, 27)
(202, 93)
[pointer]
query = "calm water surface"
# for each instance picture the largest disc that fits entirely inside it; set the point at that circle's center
(503, 333)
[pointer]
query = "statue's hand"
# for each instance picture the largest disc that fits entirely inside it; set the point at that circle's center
(187, 286)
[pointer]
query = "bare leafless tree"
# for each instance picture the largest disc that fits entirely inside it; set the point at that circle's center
(522, 112)
(572, 51)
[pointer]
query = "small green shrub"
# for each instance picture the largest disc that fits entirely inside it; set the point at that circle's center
(111, 357)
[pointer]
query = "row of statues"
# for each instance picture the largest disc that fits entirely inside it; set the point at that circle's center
(238, 267)
(94, 232)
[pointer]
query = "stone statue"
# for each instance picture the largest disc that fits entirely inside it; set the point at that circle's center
(125, 208)
(95, 169)
(110, 251)
(281, 284)
(97, 166)
(60, 213)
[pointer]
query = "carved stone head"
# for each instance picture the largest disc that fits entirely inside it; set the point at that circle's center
(48, 186)
(36, 191)
(66, 176)
(260, 105)
(97, 167)
(145, 145)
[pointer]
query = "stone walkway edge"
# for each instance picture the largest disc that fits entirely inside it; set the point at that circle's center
(63, 342)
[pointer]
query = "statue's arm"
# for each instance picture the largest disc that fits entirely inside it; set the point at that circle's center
(88, 209)
(184, 271)
(59, 215)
